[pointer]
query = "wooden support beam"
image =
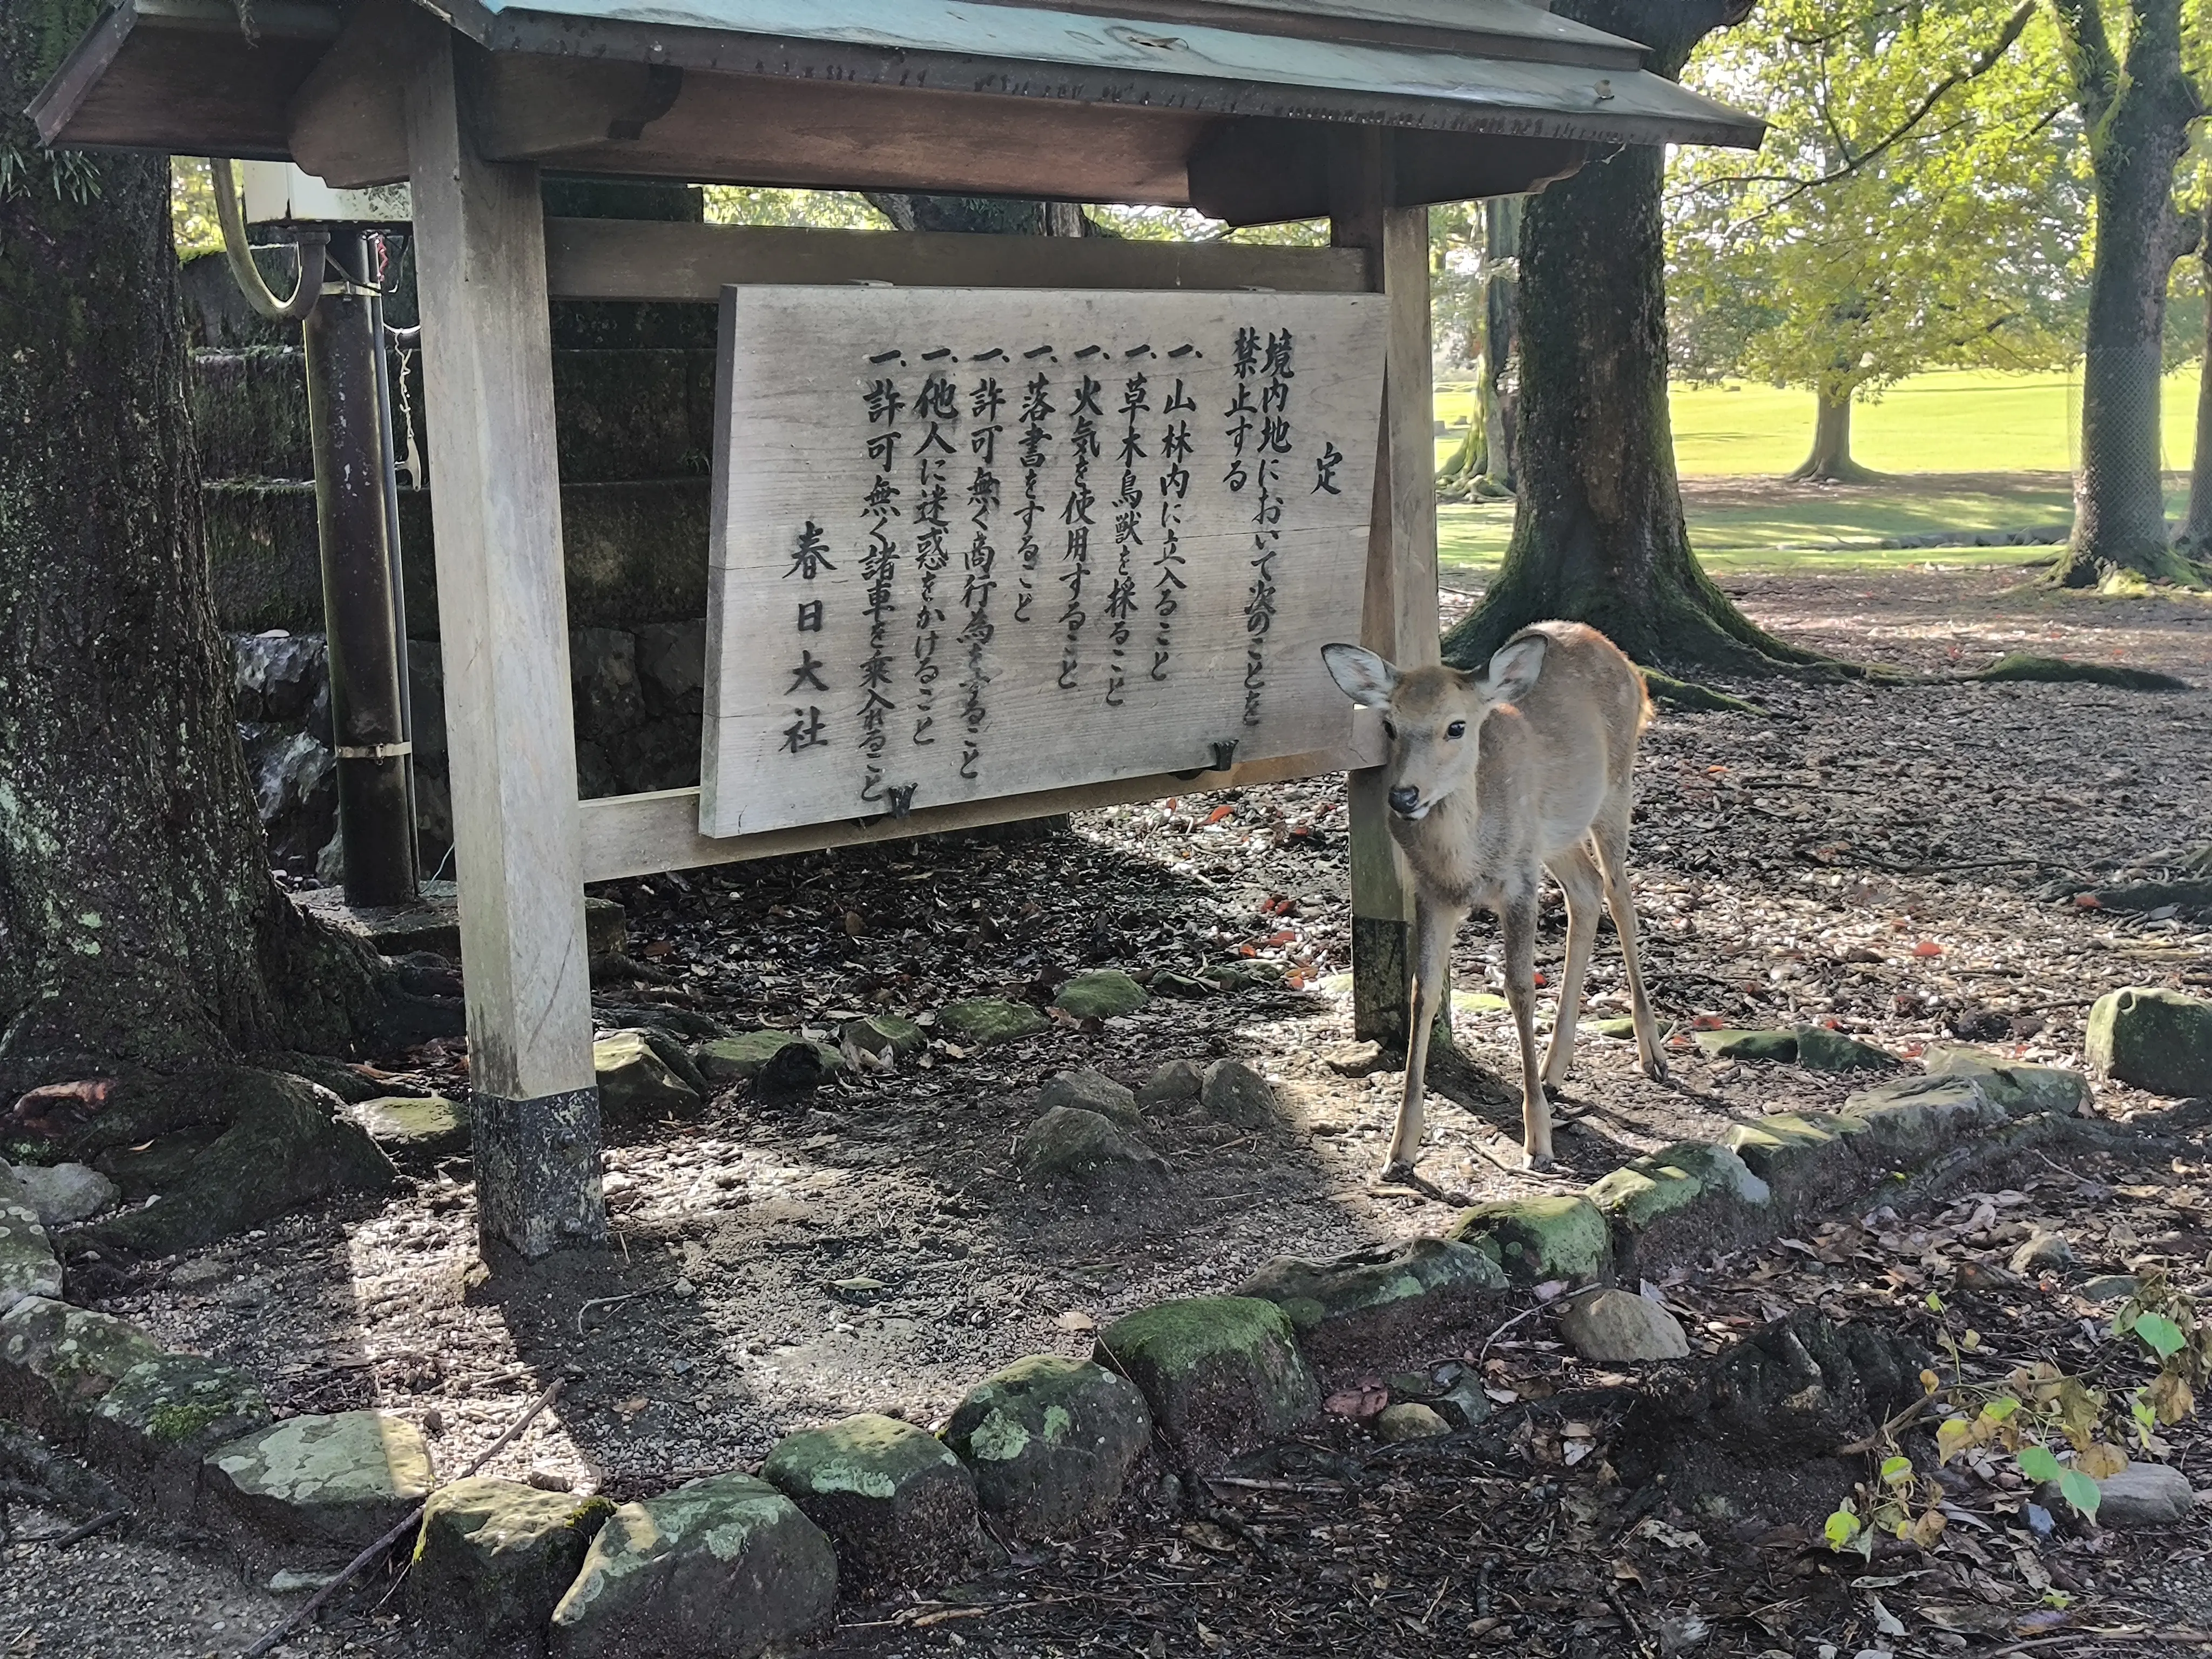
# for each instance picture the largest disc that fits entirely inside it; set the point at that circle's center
(1400, 618)
(503, 612)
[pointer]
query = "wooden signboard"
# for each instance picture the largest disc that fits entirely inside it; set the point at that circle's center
(971, 543)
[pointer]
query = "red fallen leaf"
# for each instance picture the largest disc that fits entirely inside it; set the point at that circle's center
(1246, 950)
(1296, 980)
(1286, 937)
(660, 947)
(1218, 813)
(53, 1110)
(1540, 979)
(1366, 1399)
(2088, 902)
(1708, 1023)
(1928, 947)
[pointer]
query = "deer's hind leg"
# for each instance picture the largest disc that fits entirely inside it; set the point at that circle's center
(1517, 926)
(1576, 873)
(1609, 832)
(1434, 927)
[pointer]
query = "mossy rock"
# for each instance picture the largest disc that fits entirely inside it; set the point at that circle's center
(157, 1165)
(492, 1561)
(1536, 1240)
(1093, 1091)
(28, 1263)
(57, 1362)
(2155, 1040)
(1222, 1374)
(883, 1034)
(1175, 1083)
(1727, 1044)
(721, 1568)
(1244, 975)
(980, 1022)
(725, 1060)
(1068, 1142)
(1167, 983)
(1479, 1002)
(897, 1504)
(1050, 1442)
(414, 1130)
(150, 1431)
(1616, 1031)
(1106, 995)
(1912, 1119)
(336, 1482)
(637, 1085)
(1667, 1206)
(1384, 1300)
(1801, 1156)
(2022, 1090)
(1820, 1049)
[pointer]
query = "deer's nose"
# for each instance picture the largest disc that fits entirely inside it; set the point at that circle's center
(1404, 798)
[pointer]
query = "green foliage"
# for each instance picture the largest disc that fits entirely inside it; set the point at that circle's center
(192, 208)
(819, 209)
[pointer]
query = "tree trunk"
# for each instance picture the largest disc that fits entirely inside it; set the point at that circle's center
(981, 215)
(2139, 121)
(139, 923)
(1599, 535)
(1501, 360)
(2196, 538)
(1831, 460)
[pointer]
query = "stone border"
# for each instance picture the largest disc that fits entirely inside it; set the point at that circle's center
(1043, 1447)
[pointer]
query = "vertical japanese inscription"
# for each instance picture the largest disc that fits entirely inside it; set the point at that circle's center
(986, 405)
(936, 406)
(1169, 584)
(879, 571)
(1128, 517)
(1082, 500)
(1266, 481)
(1037, 432)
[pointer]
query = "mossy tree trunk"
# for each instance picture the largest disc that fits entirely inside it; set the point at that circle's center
(1599, 535)
(1501, 322)
(981, 215)
(139, 923)
(2196, 537)
(1831, 460)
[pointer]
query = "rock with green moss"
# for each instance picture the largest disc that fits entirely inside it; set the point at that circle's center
(1668, 1205)
(2155, 1040)
(1222, 1374)
(982, 1022)
(1820, 1049)
(1105, 994)
(1536, 1240)
(1243, 974)
(1914, 1118)
(1731, 1044)
(28, 1264)
(414, 1130)
(2022, 1090)
(1069, 1144)
(720, 1568)
(1371, 1305)
(637, 1085)
(1093, 1091)
(884, 1035)
(1050, 1441)
(151, 1432)
(1807, 1158)
(493, 1560)
(56, 1361)
(896, 1503)
(334, 1482)
(725, 1060)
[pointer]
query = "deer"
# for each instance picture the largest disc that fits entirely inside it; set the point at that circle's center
(1494, 777)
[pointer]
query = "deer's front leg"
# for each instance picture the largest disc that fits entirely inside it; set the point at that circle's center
(1516, 923)
(1434, 925)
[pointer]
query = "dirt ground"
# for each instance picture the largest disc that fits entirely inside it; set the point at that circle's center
(1874, 857)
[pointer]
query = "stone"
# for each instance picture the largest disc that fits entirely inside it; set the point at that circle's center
(1729, 1044)
(157, 1165)
(2109, 1288)
(1820, 1049)
(1539, 1239)
(2145, 1495)
(1070, 1143)
(1093, 1091)
(415, 1129)
(2156, 1040)
(1463, 1400)
(1690, 1196)
(720, 1568)
(1105, 994)
(1801, 1155)
(1178, 1083)
(1244, 974)
(1616, 1031)
(982, 1022)
(1050, 1442)
(2044, 1251)
(1616, 1327)
(884, 1035)
(636, 1085)
(64, 1193)
(1382, 1300)
(898, 1505)
(723, 1061)
(791, 1073)
(56, 1361)
(152, 1429)
(1355, 1059)
(1410, 1421)
(2021, 1091)
(493, 1560)
(674, 1055)
(432, 922)
(334, 1482)
(1222, 1374)
(28, 1264)
(1232, 1092)
(1186, 988)
(1912, 1119)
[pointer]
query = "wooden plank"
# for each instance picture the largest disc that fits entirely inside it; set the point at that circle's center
(1262, 171)
(608, 259)
(627, 836)
(348, 119)
(977, 542)
(502, 614)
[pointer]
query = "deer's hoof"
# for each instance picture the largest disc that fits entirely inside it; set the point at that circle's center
(1535, 1160)
(1655, 1068)
(1397, 1169)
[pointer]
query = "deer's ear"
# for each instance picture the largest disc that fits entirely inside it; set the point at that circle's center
(1361, 675)
(1512, 673)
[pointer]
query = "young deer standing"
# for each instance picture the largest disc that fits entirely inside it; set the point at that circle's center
(1494, 778)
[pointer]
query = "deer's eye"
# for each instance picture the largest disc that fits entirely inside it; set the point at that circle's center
(1456, 729)
(1390, 731)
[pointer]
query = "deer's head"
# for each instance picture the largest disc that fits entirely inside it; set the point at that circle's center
(1433, 716)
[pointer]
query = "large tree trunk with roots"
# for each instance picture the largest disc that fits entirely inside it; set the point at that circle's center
(1501, 327)
(2139, 118)
(981, 215)
(2196, 538)
(1831, 460)
(139, 923)
(1599, 535)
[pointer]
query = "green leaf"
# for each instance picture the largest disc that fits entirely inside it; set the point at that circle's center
(2000, 1408)
(1896, 1471)
(1842, 1527)
(2037, 1463)
(2079, 1490)
(2164, 1336)
(1935, 1303)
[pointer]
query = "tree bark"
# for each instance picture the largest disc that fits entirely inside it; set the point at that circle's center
(1831, 460)
(2196, 538)
(139, 923)
(1501, 357)
(991, 216)
(1599, 535)
(2138, 117)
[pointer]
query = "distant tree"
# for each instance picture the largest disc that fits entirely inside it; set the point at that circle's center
(1913, 207)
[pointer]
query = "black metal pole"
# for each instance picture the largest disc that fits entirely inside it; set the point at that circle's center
(347, 417)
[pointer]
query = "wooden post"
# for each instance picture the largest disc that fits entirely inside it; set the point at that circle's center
(1400, 617)
(503, 610)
